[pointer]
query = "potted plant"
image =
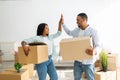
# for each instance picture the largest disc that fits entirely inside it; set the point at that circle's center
(18, 67)
(104, 60)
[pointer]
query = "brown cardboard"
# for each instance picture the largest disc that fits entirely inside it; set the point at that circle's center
(109, 75)
(112, 61)
(74, 48)
(97, 69)
(97, 63)
(13, 75)
(37, 54)
(30, 68)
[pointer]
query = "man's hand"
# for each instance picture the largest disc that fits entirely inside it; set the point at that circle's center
(90, 51)
(61, 20)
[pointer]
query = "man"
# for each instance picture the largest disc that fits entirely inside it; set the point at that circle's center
(82, 30)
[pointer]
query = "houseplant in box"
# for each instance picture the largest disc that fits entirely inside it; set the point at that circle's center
(18, 67)
(104, 60)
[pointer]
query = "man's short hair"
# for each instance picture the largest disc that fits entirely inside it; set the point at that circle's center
(83, 15)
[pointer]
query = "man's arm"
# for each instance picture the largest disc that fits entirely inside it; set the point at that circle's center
(96, 45)
(69, 32)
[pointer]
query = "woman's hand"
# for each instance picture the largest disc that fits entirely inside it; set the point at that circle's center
(25, 48)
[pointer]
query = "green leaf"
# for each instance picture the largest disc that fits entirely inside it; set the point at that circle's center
(17, 66)
(104, 60)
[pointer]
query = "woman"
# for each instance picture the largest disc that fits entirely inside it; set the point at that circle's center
(43, 36)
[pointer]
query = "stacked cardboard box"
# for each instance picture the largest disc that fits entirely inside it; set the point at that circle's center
(13, 75)
(74, 48)
(112, 73)
(37, 54)
(113, 63)
(109, 75)
(30, 68)
(98, 63)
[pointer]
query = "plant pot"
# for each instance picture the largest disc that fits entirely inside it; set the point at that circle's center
(19, 70)
(18, 67)
(104, 69)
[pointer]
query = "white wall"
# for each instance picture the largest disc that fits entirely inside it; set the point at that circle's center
(20, 18)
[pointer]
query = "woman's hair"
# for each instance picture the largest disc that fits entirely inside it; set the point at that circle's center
(41, 28)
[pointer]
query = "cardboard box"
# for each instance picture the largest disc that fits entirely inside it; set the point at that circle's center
(113, 64)
(98, 69)
(13, 75)
(74, 48)
(112, 61)
(109, 75)
(97, 63)
(37, 54)
(30, 68)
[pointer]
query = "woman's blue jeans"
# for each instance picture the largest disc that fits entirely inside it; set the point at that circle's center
(46, 67)
(79, 68)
